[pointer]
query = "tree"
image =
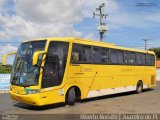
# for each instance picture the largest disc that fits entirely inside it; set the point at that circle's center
(157, 51)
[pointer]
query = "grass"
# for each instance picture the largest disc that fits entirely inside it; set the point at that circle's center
(5, 69)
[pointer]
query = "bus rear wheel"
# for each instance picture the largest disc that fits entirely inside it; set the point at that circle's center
(139, 87)
(71, 96)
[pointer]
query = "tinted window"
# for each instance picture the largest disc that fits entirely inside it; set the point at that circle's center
(150, 60)
(143, 59)
(140, 59)
(55, 64)
(130, 57)
(105, 55)
(76, 53)
(114, 58)
(23, 60)
(81, 54)
(96, 55)
(86, 54)
(120, 57)
(117, 57)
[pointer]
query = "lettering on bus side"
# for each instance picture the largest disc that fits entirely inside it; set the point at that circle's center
(126, 70)
(85, 69)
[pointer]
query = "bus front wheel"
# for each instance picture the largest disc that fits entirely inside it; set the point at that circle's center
(139, 87)
(71, 96)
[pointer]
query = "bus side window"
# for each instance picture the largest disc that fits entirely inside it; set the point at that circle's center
(117, 56)
(130, 58)
(140, 58)
(105, 55)
(114, 58)
(86, 54)
(76, 53)
(120, 55)
(96, 55)
(143, 57)
(150, 60)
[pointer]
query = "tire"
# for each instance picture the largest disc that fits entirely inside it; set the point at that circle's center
(71, 96)
(139, 87)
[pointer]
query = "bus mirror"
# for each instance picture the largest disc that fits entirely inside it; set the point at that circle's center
(5, 57)
(37, 58)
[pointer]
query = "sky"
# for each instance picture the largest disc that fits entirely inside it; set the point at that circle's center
(129, 21)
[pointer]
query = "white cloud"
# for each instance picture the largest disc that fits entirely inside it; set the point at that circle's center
(2, 2)
(119, 17)
(39, 18)
(66, 11)
(7, 49)
(2, 6)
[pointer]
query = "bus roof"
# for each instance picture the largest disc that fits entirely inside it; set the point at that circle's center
(91, 42)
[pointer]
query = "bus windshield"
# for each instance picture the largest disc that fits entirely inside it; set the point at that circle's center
(23, 72)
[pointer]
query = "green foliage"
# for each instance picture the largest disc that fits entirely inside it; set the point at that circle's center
(157, 51)
(5, 69)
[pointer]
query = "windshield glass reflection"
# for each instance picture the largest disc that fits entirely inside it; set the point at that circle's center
(23, 72)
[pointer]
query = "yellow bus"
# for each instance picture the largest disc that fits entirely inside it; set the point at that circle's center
(54, 70)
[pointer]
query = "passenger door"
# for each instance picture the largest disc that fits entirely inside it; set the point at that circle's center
(55, 64)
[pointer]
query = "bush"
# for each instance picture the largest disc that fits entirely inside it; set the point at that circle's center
(5, 69)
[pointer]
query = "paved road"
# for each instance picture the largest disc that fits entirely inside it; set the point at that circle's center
(146, 102)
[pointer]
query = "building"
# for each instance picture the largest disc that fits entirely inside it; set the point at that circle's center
(158, 70)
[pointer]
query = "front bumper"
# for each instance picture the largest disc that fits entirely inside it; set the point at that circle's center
(32, 99)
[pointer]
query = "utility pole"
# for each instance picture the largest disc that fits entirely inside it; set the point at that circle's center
(145, 43)
(102, 26)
